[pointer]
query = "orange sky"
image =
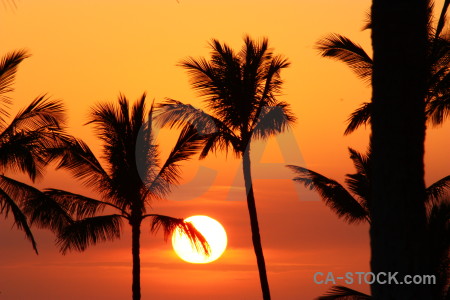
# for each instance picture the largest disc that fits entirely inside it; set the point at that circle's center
(89, 51)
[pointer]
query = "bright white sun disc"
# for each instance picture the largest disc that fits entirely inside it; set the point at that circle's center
(213, 232)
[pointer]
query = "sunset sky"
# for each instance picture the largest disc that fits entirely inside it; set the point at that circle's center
(85, 52)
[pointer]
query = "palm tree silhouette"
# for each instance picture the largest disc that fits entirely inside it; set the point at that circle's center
(128, 149)
(353, 205)
(26, 143)
(437, 99)
(240, 90)
(398, 232)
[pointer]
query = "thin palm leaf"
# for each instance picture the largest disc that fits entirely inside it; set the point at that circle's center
(8, 69)
(77, 205)
(437, 100)
(175, 114)
(273, 120)
(89, 231)
(189, 143)
(76, 157)
(39, 209)
(26, 143)
(360, 116)
(438, 190)
(442, 19)
(344, 293)
(169, 224)
(341, 48)
(335, 195)
(7, 204)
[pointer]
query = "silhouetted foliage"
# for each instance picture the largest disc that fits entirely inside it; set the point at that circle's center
(128, 144)
(240, 90)
(341, 48)
(343, 293)
(26, 143)
(353, 205)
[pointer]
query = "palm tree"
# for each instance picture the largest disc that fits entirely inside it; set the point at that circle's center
(25, 142)
(353, 205)
(398, 232)
(437, 97)
(131, 179)
(240, 90)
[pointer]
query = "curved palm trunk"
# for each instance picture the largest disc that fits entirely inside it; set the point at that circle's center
(398, 230)
(135, 240)
(256, 238)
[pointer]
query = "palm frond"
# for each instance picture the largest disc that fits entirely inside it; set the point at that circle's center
(343, 293)
(76, 157)
(112, 127)
(442, 19)
(189, 143)
(438, 109)
(333, 194)
(237, 85)
(270, 86)
(341, 48)
(359, 185)
(367, 21)
(40, 113)
(360, 116)
(7, 204)
(169, 224)
(360, 182)
(23, 152)
(8, 69)
(40, 209)
(207, 79)
(361, 161)
(79, 206)
(218, 136)
(274, 120)
(89, 231)
(272, 80)
(119, 127)
(27, 143)
(438, 190)
(221, 140)
(30, 151)
(147, 153)
(175, 114)
(138, 114)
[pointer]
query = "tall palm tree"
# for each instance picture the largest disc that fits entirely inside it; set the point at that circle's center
(437, 97)
(25, 142)
(398, 232)
(353, 205)
(240, 89)
(127, 183)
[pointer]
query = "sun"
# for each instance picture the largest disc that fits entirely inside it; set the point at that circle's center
(213, 232)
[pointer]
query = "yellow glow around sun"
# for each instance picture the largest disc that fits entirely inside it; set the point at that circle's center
(213, 232)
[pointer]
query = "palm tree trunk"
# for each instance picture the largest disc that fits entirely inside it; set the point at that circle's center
(256, 238)
(135, 249)
(398, 229)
